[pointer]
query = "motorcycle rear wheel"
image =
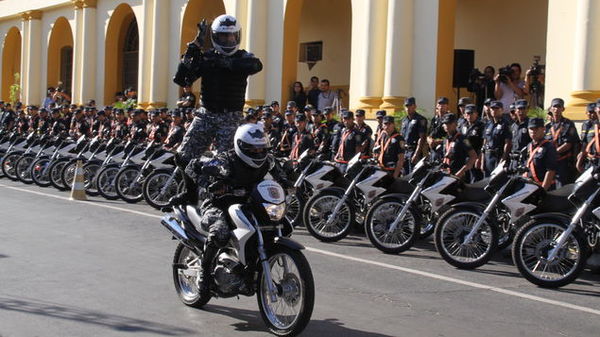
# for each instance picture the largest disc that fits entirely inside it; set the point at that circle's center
(295, 290)
(186, 278)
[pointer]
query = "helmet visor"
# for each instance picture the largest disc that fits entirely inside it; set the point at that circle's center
(227, 40)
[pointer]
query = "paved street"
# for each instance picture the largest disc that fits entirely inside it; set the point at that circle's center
(102, 268)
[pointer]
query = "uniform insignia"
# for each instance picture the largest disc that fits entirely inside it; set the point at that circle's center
(413, 122)
(394, 140)
(499, 127)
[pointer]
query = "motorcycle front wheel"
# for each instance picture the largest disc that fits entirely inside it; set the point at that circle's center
(156, 193)
(187, 267)
(22, 169)
(105, 182)
(295, 292)
(531, 249)
(9, 165)
(451, 231)
(55, 174)
(378, 224)
(316, 214)
(126, 185)
(40, 172)
(90, 171)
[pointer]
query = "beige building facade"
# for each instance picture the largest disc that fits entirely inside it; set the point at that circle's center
(374, 52)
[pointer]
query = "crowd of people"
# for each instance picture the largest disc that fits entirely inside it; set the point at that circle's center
(70, 120)
(469, 141)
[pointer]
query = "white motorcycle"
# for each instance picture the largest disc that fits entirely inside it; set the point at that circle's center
(259, 260)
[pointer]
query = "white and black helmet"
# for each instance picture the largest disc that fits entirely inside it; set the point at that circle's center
(251, 144)
(221, 29)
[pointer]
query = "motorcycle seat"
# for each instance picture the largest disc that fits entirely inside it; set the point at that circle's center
(557, 200)
(475, 191)
(402, 186)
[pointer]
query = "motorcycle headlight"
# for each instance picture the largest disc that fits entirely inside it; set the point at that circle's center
(275, 211)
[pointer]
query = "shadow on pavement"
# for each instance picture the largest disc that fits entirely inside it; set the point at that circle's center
(251, 321)
(71, 313)
(3, 256)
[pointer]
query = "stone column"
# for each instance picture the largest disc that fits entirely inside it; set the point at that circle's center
(256, 42)
(586, 63)
(31, 62)
(367, 65)
(159, 75)
(84, 51)
(398, 55)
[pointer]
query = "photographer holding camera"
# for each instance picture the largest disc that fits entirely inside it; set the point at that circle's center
(534, 83)
(483, 85)
(509, 85)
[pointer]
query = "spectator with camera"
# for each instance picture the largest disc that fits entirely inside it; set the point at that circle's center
(482, 85)
(509, 85)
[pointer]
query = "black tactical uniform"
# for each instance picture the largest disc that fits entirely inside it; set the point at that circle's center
(559, 133)
(520, 135)
(412, 129)
(344, 146)
(496, 135)
(390, 147)
(224, 81)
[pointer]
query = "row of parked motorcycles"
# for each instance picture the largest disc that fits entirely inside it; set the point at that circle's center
(552, 233)
(113, 169)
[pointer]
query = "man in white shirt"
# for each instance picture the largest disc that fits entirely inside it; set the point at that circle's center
(510, 89)
(327, 98)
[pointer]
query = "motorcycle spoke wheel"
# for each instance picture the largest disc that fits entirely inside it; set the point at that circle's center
(318, 213)
(126, 186)
(535, 248)
(22, 169)
(453, 231)
(293, 208)
(294, 293)
(155, 186)
(106, 182)
(379, 227)
(39, 172)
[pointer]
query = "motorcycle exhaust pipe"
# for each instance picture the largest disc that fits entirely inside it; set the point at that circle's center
(175, 228)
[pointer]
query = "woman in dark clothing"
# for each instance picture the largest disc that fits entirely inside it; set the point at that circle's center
(298, 95)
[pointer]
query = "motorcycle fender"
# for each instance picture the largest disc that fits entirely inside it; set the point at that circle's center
(476, 206)
(287, 242)
(337, 190)
(244, 229)
(563, 218)
(399, 196)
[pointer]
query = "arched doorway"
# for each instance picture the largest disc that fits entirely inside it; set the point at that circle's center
(195, 11)
(60, 55)
(312, 30)
(11, 60)
(122, 53)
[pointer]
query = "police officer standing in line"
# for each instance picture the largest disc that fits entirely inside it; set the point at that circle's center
(472, 128)
(302, 139)
(497, 139)
(590, 151)
(390, 148)
(333, 128)
(119, 128)
(366, 131)
(587, 135)
(519, 129)
(176, 131)
(320, 133)
(347, 143)
(562, 132)
(289, 128)
(270, 130)
(413, 131)
(542, 157)
(379, 114)
(436, 132)
(457, 153)
(462, 103)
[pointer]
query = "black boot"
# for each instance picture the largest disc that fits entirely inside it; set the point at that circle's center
(210, 251)
(190, 195)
